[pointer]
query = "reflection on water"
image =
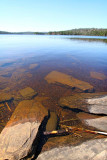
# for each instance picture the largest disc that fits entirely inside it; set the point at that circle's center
(25, 61)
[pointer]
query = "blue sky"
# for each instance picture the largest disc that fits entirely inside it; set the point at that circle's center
(51, 15)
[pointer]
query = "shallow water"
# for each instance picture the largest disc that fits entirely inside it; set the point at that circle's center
(78, 56)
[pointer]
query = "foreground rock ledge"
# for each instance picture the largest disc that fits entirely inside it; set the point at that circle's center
(90, 150)
(58, 77)
(17, 137)
(94, 103)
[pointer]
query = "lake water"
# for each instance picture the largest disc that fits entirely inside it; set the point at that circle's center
(78, 56)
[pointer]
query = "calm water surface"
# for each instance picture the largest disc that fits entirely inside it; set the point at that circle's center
(73, 52)
(73, 55)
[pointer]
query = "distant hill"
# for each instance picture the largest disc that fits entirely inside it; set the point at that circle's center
(82, 31)
(4, 32)
(23, 33)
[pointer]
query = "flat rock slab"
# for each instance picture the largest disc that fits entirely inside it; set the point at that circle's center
(90, 102)
(17, 137)
(32, 66)
(98, 105)
(27, 93)
(59, 77)
(5, 97)
(98, 75)
(99, 123)
(90, 150)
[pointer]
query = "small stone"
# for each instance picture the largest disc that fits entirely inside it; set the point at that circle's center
(32, 66)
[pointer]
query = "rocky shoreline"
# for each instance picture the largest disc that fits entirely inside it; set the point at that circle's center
(23, 136)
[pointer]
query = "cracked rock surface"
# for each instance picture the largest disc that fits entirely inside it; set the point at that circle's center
(17, 137)
(90, 150)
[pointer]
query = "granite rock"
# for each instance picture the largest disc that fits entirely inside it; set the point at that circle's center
(90, 150)
(17, 137)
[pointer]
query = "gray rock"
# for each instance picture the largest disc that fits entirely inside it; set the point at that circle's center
(97, 105)
(99, 123)
(90, 150)
(16, 141)
(17, 137)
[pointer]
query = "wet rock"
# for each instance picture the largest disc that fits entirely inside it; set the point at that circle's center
(58, 77)
(98, 75)
(94, 150)
(99, 123)
(5, 97)
(17, 137)
(84, 104)
(52, 122)
(27, 93)
(84, 116)
(90, 102)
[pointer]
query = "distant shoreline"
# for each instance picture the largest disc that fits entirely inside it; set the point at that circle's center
(81, 31)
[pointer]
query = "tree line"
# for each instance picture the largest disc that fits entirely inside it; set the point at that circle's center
(89, 32)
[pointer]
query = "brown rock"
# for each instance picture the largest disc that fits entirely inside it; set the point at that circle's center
(84, 101)
(98, 75)
(5, 97)
(27, 93)
(58, 77)
(52, 122)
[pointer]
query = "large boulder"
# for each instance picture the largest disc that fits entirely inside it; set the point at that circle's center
(17, 137)
(90, 150)
(62, 78)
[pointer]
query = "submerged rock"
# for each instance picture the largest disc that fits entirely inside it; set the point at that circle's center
(52, 122)
(90, 150)
(90, 102)
(5, 97)
(98, 75)
(17, 137)
(84, 104)
(27, 93)
(58, 77)
(32, 66)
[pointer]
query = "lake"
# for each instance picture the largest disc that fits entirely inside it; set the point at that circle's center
(26, 60)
